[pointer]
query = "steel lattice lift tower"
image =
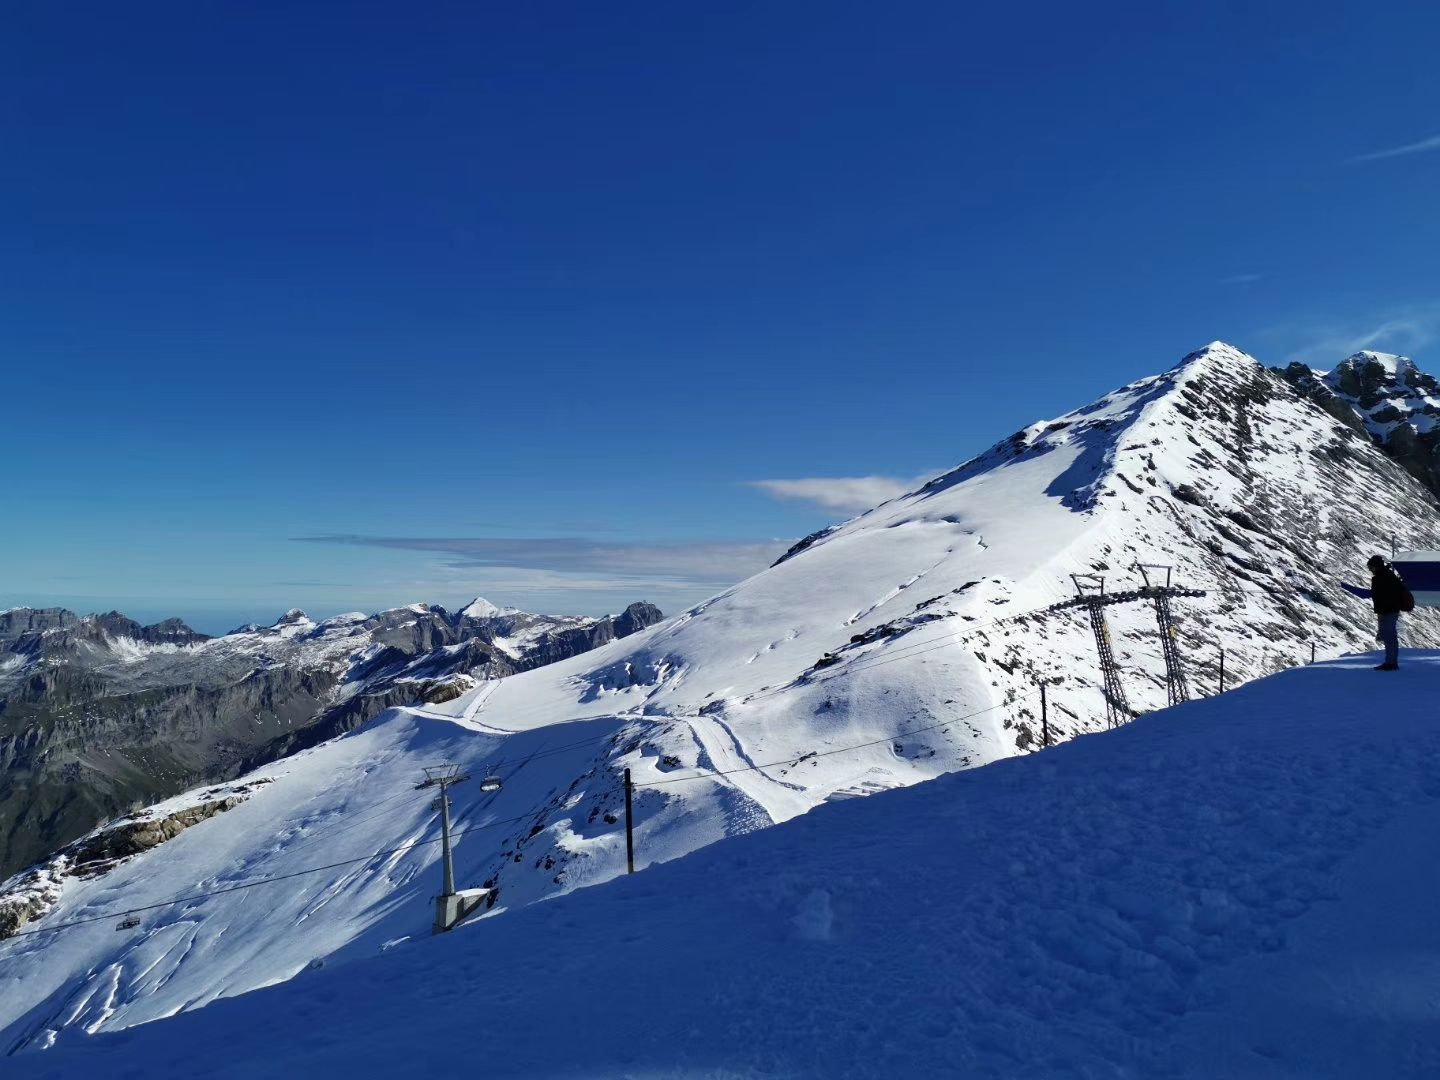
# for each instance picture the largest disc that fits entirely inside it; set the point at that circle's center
(1090, 594)
(1175, 682)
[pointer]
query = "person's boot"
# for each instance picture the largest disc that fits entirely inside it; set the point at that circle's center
(1387, 667)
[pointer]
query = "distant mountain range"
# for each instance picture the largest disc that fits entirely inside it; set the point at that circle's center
(99, 713)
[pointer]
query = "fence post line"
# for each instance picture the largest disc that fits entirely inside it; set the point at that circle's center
(629, 824)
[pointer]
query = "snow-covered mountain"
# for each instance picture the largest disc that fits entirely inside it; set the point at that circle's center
(876, 654)
(1240, 887)
(98, 712)
(1387, 397)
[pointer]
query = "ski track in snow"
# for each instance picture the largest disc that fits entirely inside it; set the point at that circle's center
(724, 752)
(890, 595)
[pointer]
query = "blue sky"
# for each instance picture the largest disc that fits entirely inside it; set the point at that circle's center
(344, 305)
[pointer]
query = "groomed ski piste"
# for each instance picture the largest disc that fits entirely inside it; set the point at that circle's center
(1237, 887)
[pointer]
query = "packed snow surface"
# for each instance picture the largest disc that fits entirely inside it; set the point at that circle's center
(1241, 886)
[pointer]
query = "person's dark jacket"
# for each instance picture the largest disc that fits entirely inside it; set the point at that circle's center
(1387, 591)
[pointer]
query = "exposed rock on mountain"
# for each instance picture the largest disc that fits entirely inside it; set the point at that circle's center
(1387, 398)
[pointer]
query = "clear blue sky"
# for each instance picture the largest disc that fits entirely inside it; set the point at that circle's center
(507, 295)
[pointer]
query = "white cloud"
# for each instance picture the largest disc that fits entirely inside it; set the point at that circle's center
(843, 494)
(1424, 145)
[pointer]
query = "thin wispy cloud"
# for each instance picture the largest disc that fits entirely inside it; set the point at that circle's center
(558, 565)
(1406, 330)
(842, 494)
(1421, 146)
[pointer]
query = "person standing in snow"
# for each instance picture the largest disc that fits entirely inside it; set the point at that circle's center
(1390, 596)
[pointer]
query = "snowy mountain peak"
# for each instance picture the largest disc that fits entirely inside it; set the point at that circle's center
(480, 608)
(1218, 354)
(1117, 438)
(1393, 365)
(293, 617)
(1369, 379)
(1387, 398)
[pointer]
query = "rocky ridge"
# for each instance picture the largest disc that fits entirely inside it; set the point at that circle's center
(1386, 398)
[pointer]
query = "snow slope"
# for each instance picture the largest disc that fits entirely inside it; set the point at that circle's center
(887, 651)
(1237, 887)
(326, 805)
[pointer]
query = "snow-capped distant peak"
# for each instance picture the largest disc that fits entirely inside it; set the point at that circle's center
(1393, 363)
(1369, 371)
(480, 608)
(294, 617)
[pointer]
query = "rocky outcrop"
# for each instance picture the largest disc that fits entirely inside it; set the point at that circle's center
(635, 618)
(1386, 398)
(21, 621)
(27, 896)
(168, 632)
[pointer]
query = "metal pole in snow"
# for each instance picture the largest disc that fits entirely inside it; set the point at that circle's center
(1044, 718)
(629, 824)
(1312, 652)
(445, 834)
(1222, 670)
(442, 777)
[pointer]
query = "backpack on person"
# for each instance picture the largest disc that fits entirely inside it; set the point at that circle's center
(1407, 598)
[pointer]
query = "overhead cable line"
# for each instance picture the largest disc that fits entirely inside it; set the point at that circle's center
(270, 880)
